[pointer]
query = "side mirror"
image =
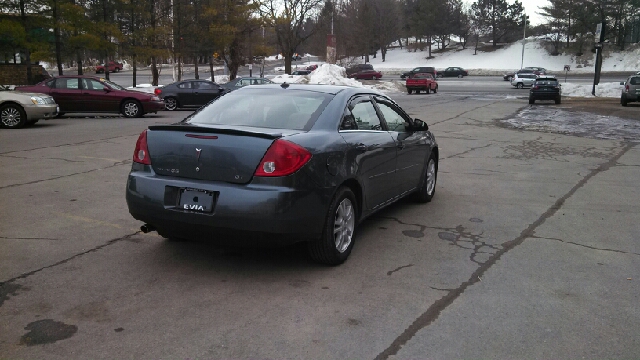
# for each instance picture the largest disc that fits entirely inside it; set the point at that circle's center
(419, 125)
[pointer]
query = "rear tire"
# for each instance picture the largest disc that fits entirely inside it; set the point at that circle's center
(427, 90)
(170, 103)
(623, 101)
(338, 235)
(532, 101)
(409, 91)
(435, 90)
(558, 100)
(428, 188)
(12, 116)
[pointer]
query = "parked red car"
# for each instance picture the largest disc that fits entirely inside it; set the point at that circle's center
(113, 67)
(366, 75)
(88, 94)
(422, 81)
(312, 67)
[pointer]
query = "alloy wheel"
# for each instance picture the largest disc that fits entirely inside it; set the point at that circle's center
(431, 176)
(10, 116)
(343, 225)
(170, 104)
(131, 109)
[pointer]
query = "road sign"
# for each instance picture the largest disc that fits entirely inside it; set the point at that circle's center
(567, 67)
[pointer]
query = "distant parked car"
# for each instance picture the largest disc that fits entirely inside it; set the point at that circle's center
(631, 91)
(545, 87)
(312, 67)
(523, 80)
(358, 67)
(89, 94)
(366, 75)
(453, 72)
(18, 109)
(301, 72)
(189, 93)
(237, 83)
(420, 69)
(113, 67)
(421, 82)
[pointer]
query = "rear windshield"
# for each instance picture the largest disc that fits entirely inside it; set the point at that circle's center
(264, 108)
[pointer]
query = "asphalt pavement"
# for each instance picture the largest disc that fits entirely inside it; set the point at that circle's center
(528, 250)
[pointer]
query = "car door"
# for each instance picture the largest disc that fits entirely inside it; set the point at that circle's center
(68, 94)
(97, 96)
(371, 150)
(448, 72)
(205, 91)
(529, 79)
(185, 94)
(412, 146)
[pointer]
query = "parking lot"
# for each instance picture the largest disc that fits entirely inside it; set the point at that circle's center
(528, 250)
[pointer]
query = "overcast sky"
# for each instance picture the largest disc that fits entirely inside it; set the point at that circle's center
(530, 7)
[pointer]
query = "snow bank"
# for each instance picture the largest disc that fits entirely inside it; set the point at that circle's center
(609, 89)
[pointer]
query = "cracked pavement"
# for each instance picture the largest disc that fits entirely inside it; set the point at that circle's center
(528, 250)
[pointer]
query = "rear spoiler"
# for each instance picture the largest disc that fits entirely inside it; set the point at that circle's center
(215, 130)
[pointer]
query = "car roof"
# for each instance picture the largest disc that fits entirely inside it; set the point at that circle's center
(327, 89)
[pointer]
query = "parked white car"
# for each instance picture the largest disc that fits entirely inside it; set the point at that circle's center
(18, 109)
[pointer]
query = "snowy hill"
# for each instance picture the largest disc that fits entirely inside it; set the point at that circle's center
(505, 59)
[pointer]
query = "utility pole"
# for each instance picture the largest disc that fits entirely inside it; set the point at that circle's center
(524, 38)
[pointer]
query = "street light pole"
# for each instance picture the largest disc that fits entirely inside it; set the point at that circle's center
(524, 38)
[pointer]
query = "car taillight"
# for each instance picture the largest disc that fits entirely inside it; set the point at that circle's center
(536, 87)
(141, 153)
(157, 91)
(626, 88)
(283, 158)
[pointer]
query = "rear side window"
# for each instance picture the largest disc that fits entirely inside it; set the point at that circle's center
(255, 107)
(634, 81)
(67, 83)
(185, 85)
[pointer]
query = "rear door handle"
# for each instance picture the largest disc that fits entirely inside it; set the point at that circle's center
(361, 147)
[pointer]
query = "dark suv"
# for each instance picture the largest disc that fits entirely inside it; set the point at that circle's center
(545, 88)
(358, 67)
(420, 69)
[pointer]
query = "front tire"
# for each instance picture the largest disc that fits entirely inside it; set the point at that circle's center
(427, 90)
(460, 76)
(428, 189)
(170, 103)
(131, 109)
(338, 236)
(519, 86)
(12, 116)
(435, 89)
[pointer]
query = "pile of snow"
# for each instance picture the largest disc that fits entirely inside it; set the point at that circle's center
(220, 79)
(290, 79)
(145, 88)
(333, 75)
(609, 89)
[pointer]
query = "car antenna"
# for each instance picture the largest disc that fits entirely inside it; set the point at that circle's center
(284, 85)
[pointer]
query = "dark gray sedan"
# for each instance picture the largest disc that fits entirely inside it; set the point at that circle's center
(189, 93)
(281, 162)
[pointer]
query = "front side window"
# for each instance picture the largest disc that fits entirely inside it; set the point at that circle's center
(395, 121)
(93, 85)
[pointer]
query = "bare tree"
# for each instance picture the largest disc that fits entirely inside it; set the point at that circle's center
(288, 17)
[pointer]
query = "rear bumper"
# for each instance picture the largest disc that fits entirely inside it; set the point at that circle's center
(256, 207)
(36, 112)
(630, 97)
(544, 95)
(153, 106)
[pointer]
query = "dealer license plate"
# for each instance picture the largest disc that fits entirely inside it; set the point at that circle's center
(196, 200)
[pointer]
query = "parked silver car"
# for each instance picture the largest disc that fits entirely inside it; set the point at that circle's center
(18, 109)
(523, 80)
(631, 90)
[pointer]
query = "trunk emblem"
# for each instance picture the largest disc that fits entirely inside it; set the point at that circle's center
(198, 151)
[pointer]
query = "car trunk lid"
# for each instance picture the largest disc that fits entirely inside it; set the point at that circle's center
(209, 153)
